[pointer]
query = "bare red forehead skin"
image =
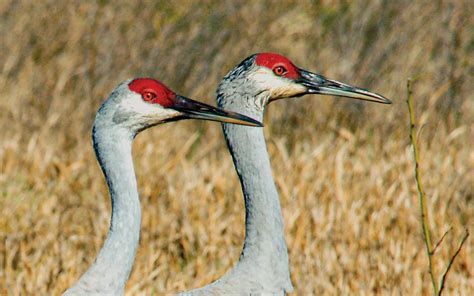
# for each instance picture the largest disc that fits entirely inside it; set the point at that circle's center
(273, 60)
(164, 96)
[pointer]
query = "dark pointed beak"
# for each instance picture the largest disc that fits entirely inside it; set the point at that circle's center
(318, 84)
(197, 110)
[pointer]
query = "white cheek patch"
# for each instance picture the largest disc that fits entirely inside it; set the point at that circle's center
(136, 104)
(279, 87)
(147, 112)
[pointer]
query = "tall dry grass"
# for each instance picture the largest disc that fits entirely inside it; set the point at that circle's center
(343, 168)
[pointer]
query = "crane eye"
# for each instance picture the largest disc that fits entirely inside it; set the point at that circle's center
(280, 70)
(148, 96)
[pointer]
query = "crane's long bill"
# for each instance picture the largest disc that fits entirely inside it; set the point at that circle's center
(197, 110)
(318, 84)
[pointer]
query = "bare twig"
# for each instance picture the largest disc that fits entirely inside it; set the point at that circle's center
(437, 290)
(451, 261)
(421, 192)
(440, 241)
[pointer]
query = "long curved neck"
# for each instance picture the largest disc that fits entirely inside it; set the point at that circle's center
(265, 250)
(113, 265)
(264, 234)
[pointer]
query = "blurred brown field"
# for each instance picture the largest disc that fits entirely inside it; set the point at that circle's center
(344, 169)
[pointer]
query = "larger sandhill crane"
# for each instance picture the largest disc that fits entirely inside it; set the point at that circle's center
(133, 106)
(247, 89)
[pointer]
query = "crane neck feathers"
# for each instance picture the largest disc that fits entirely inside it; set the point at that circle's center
(111, 269)
(264, 258)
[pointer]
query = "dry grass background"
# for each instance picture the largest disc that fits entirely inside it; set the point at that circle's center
(344, 169)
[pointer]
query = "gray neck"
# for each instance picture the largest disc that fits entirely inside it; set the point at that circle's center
(265, 251)
(112, 267)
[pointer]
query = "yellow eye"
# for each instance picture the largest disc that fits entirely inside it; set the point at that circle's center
(148, 96)
(279, 70)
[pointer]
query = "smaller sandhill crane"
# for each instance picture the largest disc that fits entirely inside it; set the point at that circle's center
(133, 106)
(247, 89)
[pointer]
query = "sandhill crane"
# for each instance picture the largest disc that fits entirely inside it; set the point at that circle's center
(133, 106)
(247, 89)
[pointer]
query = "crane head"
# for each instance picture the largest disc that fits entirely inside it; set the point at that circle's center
(144, 102)
(274, 76)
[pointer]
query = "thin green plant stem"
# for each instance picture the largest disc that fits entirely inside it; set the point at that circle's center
(421, 192)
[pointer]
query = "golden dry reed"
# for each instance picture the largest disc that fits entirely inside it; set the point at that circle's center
(344, 169)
